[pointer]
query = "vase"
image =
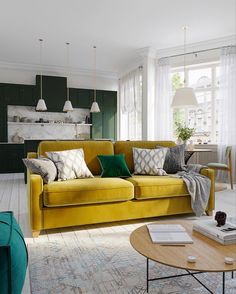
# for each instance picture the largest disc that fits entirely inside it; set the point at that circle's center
(179, 141)
(185, 144)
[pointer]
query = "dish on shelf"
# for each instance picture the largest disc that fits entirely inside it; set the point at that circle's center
(48, 123)
(23, 119)
(17, 139)
(16, 118)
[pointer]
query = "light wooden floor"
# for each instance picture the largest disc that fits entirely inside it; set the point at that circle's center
(13, 197)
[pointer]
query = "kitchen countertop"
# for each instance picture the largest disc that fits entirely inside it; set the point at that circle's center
(2, 143)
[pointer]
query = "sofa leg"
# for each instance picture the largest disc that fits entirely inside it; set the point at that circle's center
(209, 212)
(35, 234)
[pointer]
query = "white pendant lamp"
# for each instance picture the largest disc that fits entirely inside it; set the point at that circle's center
(41, 105)
(95, 106)
(184, 97)
(68, 105)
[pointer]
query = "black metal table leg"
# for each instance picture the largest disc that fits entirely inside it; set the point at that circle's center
(232, 274)
(223, 284)
(189, 273)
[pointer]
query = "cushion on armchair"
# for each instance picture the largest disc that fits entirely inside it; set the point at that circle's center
(13, 255)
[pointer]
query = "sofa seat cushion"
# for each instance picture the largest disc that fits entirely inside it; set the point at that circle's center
(87, 191)
(149, 187)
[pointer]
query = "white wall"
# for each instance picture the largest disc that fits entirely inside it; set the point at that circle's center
(24, 76)
(149, 71)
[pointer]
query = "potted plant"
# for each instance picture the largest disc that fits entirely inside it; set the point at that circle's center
(183, 132)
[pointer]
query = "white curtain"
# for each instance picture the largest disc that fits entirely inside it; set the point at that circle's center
(227, 107)
(163, 111)
(130, 92)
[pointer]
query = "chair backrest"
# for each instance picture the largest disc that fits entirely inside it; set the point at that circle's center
(228, 151)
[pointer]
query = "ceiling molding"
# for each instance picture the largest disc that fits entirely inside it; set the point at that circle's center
(147, 52)
(159, 53)
(52, 69)
(225, 41)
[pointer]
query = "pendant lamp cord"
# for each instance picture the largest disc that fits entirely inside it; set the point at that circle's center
(185, 29)
(41, 72)
(67, 64)
(95, 73)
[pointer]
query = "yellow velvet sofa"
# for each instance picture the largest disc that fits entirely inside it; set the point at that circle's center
(100, 200)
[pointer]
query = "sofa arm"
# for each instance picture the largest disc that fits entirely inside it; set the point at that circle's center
(32, 155)
(35, 202)
(210, 173)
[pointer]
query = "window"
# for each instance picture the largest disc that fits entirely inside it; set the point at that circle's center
(204, 78)
(131, 106)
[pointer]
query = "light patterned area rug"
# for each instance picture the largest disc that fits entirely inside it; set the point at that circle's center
(101, 260)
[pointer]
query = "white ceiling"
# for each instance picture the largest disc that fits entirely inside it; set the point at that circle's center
(119, 28)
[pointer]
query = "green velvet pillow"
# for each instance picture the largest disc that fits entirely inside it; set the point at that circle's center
(114, 166)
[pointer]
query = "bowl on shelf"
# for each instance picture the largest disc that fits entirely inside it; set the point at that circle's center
(16, 118)
(23, 119)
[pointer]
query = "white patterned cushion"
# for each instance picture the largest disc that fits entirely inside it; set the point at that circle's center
(70, 164)
(149, 161)
(43, 167)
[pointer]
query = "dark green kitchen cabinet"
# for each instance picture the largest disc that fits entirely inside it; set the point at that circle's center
(104, 122)
(97, 129)
(85, 98)
(81, 98)
(27, 96)
(53, 91)
(3, 122)
(16, 94)
(109, 124)
(73, 97)
(11, 158)
(11, 94)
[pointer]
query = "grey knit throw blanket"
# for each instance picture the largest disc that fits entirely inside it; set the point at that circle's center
(198, 186)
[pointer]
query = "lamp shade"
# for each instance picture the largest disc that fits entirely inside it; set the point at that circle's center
(184, 97)
(68, 106)
(41, 105)
(95, 107)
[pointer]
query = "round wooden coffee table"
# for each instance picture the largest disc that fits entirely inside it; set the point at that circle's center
(210, 254)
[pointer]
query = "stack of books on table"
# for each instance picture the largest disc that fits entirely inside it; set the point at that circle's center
(169, 234)
(225, 235)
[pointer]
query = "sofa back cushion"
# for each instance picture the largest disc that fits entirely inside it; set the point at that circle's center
(91, 150)
(126, 148)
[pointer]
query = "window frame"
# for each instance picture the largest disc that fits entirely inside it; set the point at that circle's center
(213, 89)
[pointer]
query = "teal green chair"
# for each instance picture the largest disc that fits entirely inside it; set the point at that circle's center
(223, 166)
(13, 255)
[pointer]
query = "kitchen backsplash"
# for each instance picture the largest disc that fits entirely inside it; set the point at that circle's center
(52, 125)
(28, 112)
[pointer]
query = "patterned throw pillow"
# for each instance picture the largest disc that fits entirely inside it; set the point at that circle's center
(43, 167)
(70, 164)
(149, 161)
(174, 160)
